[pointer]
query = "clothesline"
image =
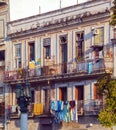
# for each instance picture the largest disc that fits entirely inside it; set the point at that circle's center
(64, 111)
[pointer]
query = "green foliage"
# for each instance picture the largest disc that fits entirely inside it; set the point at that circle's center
(107, 87)
(113, 16)
(107, 118)
(102, 84)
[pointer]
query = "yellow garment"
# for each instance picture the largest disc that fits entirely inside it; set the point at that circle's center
(31, 65)
(38, 109)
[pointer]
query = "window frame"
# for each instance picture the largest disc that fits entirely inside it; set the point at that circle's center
(18, 55)
(79, 53)
(47, 48)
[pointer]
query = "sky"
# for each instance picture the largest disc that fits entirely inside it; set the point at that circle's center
(24, 8)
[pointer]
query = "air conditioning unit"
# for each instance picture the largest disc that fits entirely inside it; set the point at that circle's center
(95, 32)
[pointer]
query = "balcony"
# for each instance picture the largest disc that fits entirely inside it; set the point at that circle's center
(34, 109)
(57, 71)
(89, 107)
(84, 107)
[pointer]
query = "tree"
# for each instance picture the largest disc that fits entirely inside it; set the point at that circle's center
(107, 88)
(113, 15)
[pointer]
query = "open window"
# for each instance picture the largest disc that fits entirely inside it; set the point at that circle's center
(18, 55)
(2, 55)
(79, 45)
(63, 52)
(63, 48)
(31, 50)
(47, 48)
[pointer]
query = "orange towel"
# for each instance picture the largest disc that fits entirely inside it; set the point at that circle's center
(38, 109)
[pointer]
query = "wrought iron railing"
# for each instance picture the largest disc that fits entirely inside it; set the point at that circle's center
(85, 67)
(84, 107)
(89, 107)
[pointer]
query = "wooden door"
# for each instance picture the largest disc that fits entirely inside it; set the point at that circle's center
(79, 92)
(63, 93)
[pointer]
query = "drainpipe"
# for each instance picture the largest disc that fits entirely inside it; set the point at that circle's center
(6, 111)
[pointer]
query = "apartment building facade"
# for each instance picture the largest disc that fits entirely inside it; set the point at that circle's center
(4, 17)
(61, 53)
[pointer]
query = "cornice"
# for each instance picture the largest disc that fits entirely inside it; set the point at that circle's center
(63, 23)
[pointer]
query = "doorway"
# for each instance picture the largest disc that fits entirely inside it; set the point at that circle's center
(63, 50)
(63, 93)
(79, 92)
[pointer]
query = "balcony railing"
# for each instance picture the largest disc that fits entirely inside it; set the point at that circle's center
(89, 107)
(86, 67)
(84, 107)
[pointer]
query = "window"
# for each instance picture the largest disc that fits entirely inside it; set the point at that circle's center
(47, 47)
(63, 48)
(79, 45)
(32, 51)
(47, 51)
(2, 55)
(18, 55)
(99, 36)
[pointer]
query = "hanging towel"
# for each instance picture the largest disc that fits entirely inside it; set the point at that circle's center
(66, 111)
(60, 105)
(52, 105)
(61, 114)
(57, 117)
(38, 109)
(31, 65)
(71, 114)
(74, 112)
(90, 68)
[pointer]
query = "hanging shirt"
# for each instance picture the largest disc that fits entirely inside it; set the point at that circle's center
(66, 112)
